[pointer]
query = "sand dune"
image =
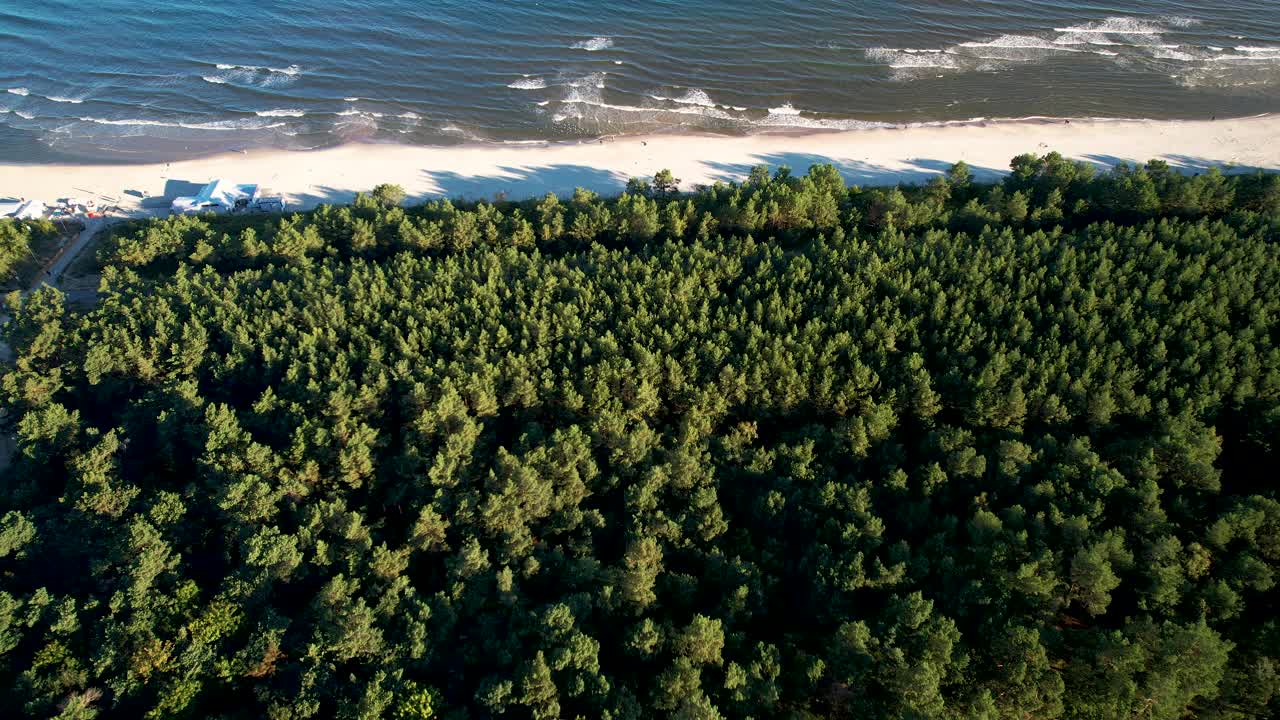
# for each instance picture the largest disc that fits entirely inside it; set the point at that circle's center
(865, 157)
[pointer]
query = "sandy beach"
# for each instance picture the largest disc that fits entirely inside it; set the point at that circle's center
(518, 171)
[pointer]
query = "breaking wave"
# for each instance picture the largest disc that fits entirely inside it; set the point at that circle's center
(906, 58)
(695, 97)
(217, 125)
(528, 83)
(1019, 42)
(585, 107)
(594, 44)
(19, 91)
(692, 96)
(253, 75)
(280, 113)
(1129, 41)
(291, 70)
(1129, 26)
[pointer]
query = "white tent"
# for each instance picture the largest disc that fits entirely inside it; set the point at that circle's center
(218, 196)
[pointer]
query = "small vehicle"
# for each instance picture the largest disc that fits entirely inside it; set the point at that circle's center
(268, 205)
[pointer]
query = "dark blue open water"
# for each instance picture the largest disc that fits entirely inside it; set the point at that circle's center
(150, 79)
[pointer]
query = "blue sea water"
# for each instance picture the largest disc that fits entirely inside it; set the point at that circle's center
(120, 80)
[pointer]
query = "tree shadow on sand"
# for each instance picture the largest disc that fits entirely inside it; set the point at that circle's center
(522, 182)
(1184, 164)
(914, 171)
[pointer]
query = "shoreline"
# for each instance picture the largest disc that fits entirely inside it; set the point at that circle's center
(517, 171)
(675, 131)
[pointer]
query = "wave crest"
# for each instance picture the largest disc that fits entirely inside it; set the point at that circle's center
(259, 76)
(692, 96)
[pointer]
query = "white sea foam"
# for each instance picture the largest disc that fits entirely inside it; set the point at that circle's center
(1126, 41)
(58, 99)
(229, 125)
(1165, 53)
(528, 83)
(458, 131)
(595, 80)
(409, 116)
(24, 115)
(696, 97)
(594, 44)
(291, 70)
(907, 58)
(1112, 31)
(1019, 42)
(608, 115)
(19, 91)
(351, 99)
(653, 113)
(544, 103)
(787, 120)
(352, 121)
(280, 113)
(1128, 26)
(1245, 58)
(584, 101)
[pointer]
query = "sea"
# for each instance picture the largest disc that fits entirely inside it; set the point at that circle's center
(157, 80)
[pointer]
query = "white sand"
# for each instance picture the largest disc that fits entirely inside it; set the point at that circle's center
(866, 157)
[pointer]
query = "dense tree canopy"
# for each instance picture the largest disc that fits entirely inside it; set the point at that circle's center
(18, 242)
(778, 449)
